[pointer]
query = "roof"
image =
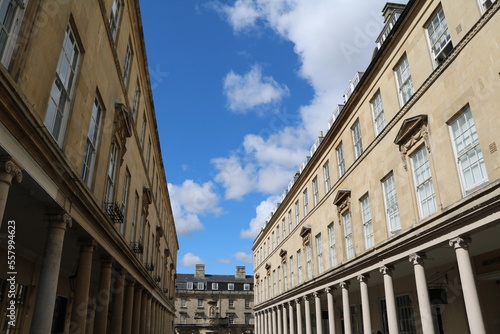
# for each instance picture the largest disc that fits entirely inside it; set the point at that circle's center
(213, 278)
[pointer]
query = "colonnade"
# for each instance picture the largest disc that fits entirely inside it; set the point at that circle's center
(294, 321)
(134, 310)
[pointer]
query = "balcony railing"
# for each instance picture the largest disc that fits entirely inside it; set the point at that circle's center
(114, 212)
(136, 247)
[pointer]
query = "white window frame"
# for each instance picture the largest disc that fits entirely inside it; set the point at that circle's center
(246, 287)
(125, 191)
(333, 246)
(366, 218)
(10, 28)
(58, 109)
(299, 266)
(215, 286)
(467, 148)
(114, 18)
(484, 5)
(231, 303)
(200, 303)
(230, 286)
(391, 203)
(93, 135)
(319, 253)
(403, 80)
(309, 261)
(306, 202)
(127, 64)
(378, 113)
(183, 302)
(111, 173)
(297, 213)
(285, 276)
(348, 235)
(315, 191)
(200, 286)
(189, 285)
(290, 222)
(340, 159)
(137, 99)
(284, 228)
(292, 273)
(277, 235)
(422, 178)
(326, 173)
(356, 139)
(439, 46)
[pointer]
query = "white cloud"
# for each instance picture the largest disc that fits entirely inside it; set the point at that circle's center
(236, 179)
(190, 260)
(252, 90)
(262, 214)
(222, 261)
(190, 200)
(333, 40)
(243, 257)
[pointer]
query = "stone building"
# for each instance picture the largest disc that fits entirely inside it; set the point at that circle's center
(210, 304)
(88, 242)
(392, 223)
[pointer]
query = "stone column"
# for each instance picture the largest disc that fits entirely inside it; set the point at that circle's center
(278, 319)
(331, 310)
(291, 319)
(49, 274)
(424, 304)
(128, 308)
(319, 320)
(307, 314)
(270, 321)
(285, 319)
(390, 299)
(82, 285)
(299, 315)
(365, 303)
(9, 171)
(256, 325)
(472, 306)
(149, 314)
(144, 309)
(265, 322)
(346, 307)
(136, 317)
(118, 296)
(273, 317)
(153, 316)
(103, 294)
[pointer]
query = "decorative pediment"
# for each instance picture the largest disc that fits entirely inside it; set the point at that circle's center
(147, 199)
(122, 127)
(412, 131)
(268, 268)
(342, 200)
(257, 276)
(305, 233)
(283, 252)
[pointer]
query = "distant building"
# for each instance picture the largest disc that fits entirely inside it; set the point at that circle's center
(209, 304)
(86, 223)
(392, 223)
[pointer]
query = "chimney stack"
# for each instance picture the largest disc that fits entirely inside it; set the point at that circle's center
(240, 273)
(200, 271)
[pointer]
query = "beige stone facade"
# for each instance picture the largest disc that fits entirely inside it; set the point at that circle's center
(88, 241)
(392, 225)
(214, 304)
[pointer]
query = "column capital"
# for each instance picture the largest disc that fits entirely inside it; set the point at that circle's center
(317, 294)
(344, 284)
(306, 298)
(59, 217)
(387, 270)
(8, 166)
(107, 261)
(363, 278)
(138, 286)
(417, 258)
(297, 301)
(330, 289)
(290, 303)
(87, 242)
(460, 242)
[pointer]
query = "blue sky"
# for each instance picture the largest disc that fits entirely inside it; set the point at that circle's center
(241, 91)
